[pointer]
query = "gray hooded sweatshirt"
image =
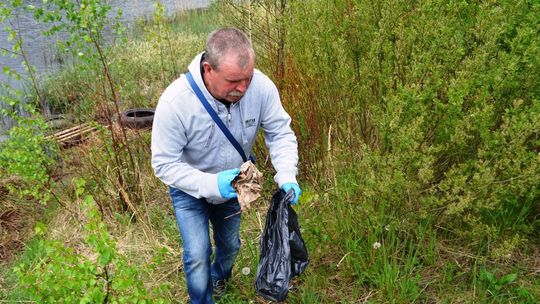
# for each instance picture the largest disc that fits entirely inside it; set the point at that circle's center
(189, 149)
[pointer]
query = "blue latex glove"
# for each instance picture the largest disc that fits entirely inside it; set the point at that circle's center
(297, 191)
(224, 179)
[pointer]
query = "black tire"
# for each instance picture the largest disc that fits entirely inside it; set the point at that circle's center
(140, 118)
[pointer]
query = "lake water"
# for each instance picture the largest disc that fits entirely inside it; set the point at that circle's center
(41, 51)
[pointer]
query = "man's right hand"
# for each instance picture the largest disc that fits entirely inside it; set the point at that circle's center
(224, 179)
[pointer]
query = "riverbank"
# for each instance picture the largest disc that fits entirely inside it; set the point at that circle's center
(74, 92)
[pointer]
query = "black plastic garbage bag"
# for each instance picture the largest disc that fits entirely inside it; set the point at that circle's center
(283, 252)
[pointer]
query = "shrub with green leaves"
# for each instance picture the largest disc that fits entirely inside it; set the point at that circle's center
(28, 155)
(439, 102)
(60, 273)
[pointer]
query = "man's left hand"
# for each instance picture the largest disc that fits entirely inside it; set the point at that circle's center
(297, 191)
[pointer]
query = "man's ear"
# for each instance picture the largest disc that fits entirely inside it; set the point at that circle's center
(207, 67)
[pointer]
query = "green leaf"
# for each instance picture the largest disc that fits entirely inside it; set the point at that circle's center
(487, 276)
(509, 278)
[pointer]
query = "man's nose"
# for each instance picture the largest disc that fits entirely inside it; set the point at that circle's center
(242, 86)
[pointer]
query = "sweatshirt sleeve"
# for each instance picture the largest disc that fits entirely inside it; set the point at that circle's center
(279, 137)
(168, 142)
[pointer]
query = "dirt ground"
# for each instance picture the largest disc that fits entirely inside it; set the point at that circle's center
(10, 237)
(16, 225)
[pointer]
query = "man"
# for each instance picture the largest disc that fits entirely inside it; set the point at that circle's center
(196, 160)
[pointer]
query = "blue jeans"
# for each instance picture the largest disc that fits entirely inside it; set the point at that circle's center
(192, 217)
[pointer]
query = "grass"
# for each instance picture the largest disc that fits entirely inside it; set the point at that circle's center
(344, 265)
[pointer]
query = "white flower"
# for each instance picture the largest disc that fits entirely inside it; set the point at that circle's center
(246, 270)
(376, 245)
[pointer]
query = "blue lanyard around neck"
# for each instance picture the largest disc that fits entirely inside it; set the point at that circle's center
(215, 117)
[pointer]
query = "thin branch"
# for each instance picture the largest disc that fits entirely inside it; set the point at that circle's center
(10, 51)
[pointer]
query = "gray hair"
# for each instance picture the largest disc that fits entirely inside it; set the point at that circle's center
(228, 40)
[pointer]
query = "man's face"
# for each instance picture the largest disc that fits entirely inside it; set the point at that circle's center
(230, 81)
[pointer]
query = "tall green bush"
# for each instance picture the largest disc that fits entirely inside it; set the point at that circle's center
(438, 101)
(26, 154)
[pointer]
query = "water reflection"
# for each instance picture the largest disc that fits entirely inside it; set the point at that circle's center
(42, 51)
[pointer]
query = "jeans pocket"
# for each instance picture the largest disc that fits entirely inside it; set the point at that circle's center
(179, 198)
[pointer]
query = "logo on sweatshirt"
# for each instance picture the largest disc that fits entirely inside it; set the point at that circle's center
(249, 122)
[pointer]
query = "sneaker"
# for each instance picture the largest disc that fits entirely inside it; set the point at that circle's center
(219, 288)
